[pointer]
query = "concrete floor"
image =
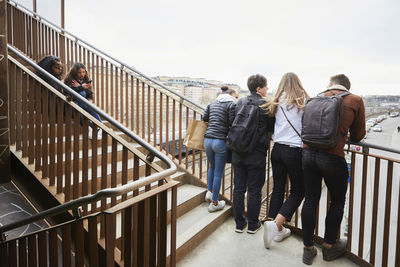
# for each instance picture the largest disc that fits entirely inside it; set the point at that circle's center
(225, 247)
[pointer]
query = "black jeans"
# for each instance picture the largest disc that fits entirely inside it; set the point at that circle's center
(333, 168)
(253, 178)
(285, 161)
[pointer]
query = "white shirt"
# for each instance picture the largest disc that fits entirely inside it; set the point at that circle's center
(283, 132)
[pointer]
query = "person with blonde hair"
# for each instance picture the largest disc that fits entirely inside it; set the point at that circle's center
(287, 107)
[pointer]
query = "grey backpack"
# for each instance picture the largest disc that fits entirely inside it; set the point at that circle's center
(322, 120)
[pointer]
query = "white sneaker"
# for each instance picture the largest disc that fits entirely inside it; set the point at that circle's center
(269, 233)
(280, 235)
(220, 206)
(208, 197)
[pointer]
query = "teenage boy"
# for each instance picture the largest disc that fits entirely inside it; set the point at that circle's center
(330, 165)
(249, 168)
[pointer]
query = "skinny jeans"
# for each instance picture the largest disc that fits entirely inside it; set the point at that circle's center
(286, 160)
(216, 152)
(318, 165)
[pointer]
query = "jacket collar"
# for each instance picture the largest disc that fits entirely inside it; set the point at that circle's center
(338, 87)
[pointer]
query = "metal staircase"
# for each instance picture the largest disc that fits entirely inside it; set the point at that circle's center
(128, 205)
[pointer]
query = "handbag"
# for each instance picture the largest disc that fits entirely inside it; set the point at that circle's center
(195, 134)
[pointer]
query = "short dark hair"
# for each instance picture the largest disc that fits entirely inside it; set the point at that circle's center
(224, 88)
(342, 80)
(255, 81)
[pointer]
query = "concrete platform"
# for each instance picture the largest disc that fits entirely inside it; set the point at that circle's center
(225, 247)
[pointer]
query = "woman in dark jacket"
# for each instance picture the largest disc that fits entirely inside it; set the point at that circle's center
(219, 115)
(52, 65)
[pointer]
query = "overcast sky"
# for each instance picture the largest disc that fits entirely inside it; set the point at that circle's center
(230, 40)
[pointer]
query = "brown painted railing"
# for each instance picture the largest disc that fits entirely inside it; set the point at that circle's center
(160, 116)
(372, 211)
(133, 233)
(154, 112)
(49, 134)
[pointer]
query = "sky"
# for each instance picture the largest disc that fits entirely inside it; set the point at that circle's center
(231, 40)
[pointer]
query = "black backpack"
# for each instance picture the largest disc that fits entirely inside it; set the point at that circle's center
(242, 136)
(322, 120)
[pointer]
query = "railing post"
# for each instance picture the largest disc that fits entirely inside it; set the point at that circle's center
(4, 126)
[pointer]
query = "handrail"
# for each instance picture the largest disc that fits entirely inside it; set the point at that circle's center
(73, 204)
(109, 192)
(123, 65)
(94, 108)
(368, 145)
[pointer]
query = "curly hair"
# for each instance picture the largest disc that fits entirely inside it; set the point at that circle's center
(47, 64)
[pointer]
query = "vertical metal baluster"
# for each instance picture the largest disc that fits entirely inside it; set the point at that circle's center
(374, 211)
(161, 122)
(388, 203)
(148, 114)
(52, 154)
(155, 117)
(362, 208)
(75, 188)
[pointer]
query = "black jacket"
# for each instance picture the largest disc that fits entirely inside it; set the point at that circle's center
(219, 115)
(265, 130)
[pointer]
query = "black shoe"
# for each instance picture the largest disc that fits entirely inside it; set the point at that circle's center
(337, 250)
(253, 230)
(309, 255)
(240, 229)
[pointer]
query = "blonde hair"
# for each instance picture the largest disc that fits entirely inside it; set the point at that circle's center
(295, 95)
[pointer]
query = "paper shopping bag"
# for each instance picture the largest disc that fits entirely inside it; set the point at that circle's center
(195, 134)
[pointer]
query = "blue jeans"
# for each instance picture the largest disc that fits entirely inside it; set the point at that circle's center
(333, 168)
(86, 108)
(216, 154)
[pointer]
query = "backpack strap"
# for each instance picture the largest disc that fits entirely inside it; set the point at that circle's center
(342, 94)
(290, 122)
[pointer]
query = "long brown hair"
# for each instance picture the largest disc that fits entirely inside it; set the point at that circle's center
(73, 73)
(295, 95)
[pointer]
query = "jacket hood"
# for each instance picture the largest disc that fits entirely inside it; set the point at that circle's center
(226, 98)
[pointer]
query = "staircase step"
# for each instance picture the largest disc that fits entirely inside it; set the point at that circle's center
(188, 197)
(196, 225)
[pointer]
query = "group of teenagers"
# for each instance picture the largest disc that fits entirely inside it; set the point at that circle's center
(77, 79)
(280, 118)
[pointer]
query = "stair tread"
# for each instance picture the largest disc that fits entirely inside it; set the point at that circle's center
(185, 193)
(192, 222)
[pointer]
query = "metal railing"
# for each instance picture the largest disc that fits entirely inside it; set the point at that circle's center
(49, 134)
(160, 115)
(371, 217)
(133, 232)
(154, 112)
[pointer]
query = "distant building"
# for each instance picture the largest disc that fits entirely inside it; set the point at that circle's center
(199, 90)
